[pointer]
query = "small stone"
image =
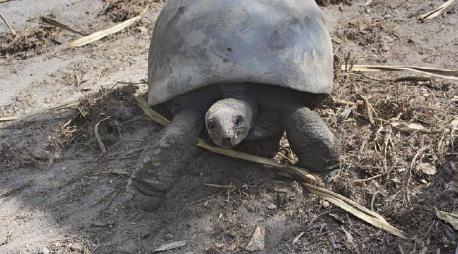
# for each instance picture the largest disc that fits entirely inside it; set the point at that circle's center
(324, 204)
(271, 207)
(143, 29)
(146, 159)
(296, 187)
(454, 124)
(164, 144)
(427, 168)
(77, 247)
(45, 250)
(219, 245)
(400, 170)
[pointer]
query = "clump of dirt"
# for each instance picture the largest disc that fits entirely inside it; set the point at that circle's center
(99, 127)
(328, 2)
(121, 10)
(31, 41)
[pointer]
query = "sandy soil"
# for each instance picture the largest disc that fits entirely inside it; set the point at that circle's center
(59, 193)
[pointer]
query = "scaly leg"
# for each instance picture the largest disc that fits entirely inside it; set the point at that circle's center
(315, 145)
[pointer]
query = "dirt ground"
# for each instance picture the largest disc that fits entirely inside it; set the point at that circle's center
(60, 194)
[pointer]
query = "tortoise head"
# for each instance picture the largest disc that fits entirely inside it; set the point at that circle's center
(229, 121)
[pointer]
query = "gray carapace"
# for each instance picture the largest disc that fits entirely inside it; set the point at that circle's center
(205, 42)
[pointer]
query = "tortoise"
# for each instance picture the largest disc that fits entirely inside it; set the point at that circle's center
(242, 69)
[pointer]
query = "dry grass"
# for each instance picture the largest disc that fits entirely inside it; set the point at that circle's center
(28, 42)
(381, 158)
(122, 10)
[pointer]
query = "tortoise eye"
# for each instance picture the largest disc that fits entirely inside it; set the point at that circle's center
(211, 124)
(238, 121)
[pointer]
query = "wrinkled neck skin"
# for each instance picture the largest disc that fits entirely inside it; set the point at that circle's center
(228, 121)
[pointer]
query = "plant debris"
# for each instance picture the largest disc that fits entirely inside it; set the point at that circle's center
(28, 42)
(122, 10)
(257, 242)
(434, 13)
(104, 33)
(451, 218)
(442, 73)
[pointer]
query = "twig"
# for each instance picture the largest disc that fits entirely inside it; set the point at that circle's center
(56, 23)
(65, 105)
(7, 24)
(218, 186)
(373, 201)
(104, 33)
(298, 237)
(371, 178)
(97, 135)
(443, 73)
(14, 190)
(8, 119)
(120, 173)
(344, 102)
(369, 109)
(412, 165)
(436, 12)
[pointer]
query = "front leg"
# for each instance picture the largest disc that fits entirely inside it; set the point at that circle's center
(315, 145)
(161, 162)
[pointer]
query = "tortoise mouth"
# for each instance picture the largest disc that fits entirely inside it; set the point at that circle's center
(226, 141)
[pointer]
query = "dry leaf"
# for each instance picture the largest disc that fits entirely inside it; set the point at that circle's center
(451, 218)
(408, 127)
(257, 240)
(356, 209)
(56, 23)
(170, 246)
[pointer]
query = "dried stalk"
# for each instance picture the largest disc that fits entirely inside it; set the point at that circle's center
(7, 24)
